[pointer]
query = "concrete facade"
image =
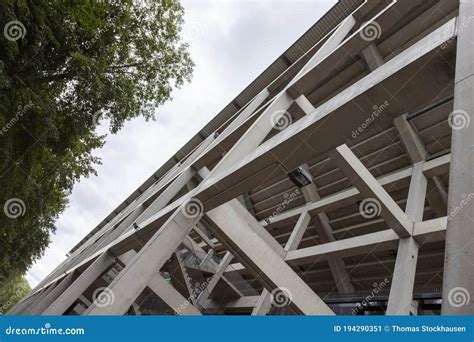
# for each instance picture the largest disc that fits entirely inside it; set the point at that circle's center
(339, 182)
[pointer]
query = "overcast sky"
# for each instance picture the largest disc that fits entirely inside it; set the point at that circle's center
(231, 43)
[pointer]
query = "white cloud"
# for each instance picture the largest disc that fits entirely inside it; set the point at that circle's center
(231, 43)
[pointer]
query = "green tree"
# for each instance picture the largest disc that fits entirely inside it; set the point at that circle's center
(12, 291)
(64, 66)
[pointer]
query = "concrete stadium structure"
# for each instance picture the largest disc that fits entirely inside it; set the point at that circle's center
(340, 181)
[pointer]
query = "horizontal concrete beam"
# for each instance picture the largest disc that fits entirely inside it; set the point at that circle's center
(431, 230)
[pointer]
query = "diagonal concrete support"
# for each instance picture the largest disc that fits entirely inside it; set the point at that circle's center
(368, 186)
(174, 299)
(415, 148)
(85, 279)
(237, 230)
(140, 271)
(264, 303)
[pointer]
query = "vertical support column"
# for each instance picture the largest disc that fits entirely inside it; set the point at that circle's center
(75, 290)
(325, 232)
(401, 292)
(458, 275)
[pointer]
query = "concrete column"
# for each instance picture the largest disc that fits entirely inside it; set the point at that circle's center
(401, 291)
(325, 232)
(458, 278)
(85, 279)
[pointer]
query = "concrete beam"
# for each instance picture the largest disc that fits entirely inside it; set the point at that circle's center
(236, 228)
(174, 299)
(372, 57)
(139, 272)
(368, 186)
(416, 150)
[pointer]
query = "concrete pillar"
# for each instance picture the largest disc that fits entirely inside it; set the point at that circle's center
(325, 232)
(400, 300)
(458, 278)
(75, 290)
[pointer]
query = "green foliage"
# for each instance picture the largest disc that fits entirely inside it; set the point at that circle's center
(79, 61)
(12, 291)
